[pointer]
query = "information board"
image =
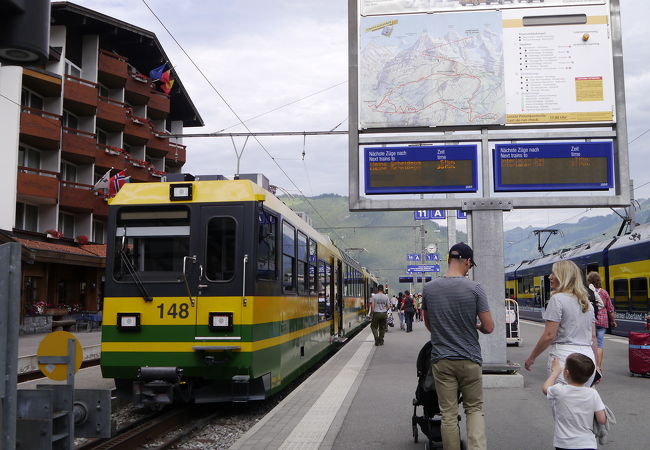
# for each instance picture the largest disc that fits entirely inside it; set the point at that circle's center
(553, 166)
(421, 169)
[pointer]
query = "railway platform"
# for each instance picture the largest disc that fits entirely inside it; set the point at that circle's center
(362, 398)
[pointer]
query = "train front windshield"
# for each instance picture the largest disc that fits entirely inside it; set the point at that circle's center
(150, 244)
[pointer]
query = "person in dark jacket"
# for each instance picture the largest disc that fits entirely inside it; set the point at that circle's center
(408, 306)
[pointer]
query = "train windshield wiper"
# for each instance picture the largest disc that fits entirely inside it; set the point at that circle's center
(125, 261)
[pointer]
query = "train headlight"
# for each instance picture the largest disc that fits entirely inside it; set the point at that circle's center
(128, 321)
(220, 321)
(180, 192)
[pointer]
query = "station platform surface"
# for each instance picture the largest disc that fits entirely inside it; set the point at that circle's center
(362, 398)
(28, 343)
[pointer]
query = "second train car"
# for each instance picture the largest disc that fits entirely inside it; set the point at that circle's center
(217, 291)
(623, 263)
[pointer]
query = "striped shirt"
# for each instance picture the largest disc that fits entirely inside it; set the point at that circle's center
(452, 305)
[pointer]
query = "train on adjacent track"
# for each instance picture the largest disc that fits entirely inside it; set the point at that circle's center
(623, 263)
(216, 291)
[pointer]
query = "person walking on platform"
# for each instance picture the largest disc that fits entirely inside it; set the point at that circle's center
(408, 306)
(575, 406)
(400, 311)
(605, 316)
(569, 316)
(452, 305)
(379, 304)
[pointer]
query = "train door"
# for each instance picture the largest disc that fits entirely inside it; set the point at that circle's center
(222, 268)
(339, 296)
(331, 274)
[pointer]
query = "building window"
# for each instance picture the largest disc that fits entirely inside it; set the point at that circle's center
(70, 120)
(26, 217)
(99, 231)
(31, 99)
(68, 172)
(72, 69)
(28, 157)
(102, 137)
(103, 91)
(66, 224)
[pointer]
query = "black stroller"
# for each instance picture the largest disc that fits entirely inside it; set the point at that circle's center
(426, 396)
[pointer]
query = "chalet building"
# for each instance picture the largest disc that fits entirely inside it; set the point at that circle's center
(91, 108)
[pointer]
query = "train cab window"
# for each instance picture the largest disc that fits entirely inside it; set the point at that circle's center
(150, 244)
(288, 257)
(313, 255)
(621, 294)
(303, 264)
(266, 246)
(220, 252)
(639, 294)
(324, 294)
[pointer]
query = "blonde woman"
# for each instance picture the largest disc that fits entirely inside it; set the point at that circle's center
(569, 317)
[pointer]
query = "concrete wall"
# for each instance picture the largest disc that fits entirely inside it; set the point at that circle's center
(10, 86)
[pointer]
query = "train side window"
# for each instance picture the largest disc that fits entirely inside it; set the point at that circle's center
(593, 267)
(303, 266)
(220, 251)
(313, 254)
(324, 298)
(266, 246)
(639, 294)
(288, 257)
(621, 294)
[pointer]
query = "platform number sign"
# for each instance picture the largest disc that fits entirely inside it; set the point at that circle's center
(429, 214)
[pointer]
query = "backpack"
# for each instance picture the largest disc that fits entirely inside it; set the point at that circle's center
(593, 301)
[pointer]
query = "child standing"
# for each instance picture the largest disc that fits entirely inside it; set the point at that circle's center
(573, 404)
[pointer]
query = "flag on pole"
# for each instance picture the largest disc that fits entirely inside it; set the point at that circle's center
(156, 73)
(166, 81)
(102, 183)
(116, 182)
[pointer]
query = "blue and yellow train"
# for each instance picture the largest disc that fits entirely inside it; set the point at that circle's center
(217, 291)
(623, 263)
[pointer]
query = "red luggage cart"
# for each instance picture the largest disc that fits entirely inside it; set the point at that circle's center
(639, 343)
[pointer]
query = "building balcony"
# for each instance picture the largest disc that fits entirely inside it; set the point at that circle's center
(137, 130)
(38, 186)
(42, 82)
(159, 144)
(111, 114)
(137, 89)
(158, 106)
(40, 129)
(100, 205)
(78, 146)
(76, 197)
(107, 156)
(140, 172)
(176, 156)
(80, 96)
(113, 69)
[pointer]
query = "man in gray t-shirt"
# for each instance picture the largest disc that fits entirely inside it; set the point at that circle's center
(379, 304)
(452, 306)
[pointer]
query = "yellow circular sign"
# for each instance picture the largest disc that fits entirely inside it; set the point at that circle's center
(56, 344)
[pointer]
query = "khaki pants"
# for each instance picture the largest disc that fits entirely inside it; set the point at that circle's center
(378, 327)
(466, 376)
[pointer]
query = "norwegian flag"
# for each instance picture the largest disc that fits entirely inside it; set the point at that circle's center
(116, 182)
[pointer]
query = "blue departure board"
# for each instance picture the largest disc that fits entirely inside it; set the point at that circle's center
(558, 166)
(421, 169)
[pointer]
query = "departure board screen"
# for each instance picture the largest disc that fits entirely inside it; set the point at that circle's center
(561, 166)
(421, 169)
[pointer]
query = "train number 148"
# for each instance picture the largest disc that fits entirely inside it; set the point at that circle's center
(182, 310)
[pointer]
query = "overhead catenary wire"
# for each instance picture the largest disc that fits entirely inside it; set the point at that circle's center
(232, 110)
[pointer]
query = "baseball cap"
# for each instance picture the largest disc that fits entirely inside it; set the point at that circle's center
(462, 251)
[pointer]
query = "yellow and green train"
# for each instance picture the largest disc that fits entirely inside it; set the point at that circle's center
(216, 291)
(623, 263)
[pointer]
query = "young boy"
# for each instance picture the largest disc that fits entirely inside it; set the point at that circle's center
(573, 404)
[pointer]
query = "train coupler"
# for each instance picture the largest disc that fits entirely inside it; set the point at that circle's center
(155, 386)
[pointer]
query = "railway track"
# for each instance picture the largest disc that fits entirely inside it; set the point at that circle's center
(164, 429)
(36, 375)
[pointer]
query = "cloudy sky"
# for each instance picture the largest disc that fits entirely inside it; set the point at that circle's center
(261, 55)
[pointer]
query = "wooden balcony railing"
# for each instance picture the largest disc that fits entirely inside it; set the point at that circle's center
(176, 155)
(107, 156)
(79, 145)
(111, 113)
(40, 186)
(138, 89)
(40, 128)
(100, 205)
(158, 105)
(80, 96)
(137, 130)
(113, 68)
(77, 197)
